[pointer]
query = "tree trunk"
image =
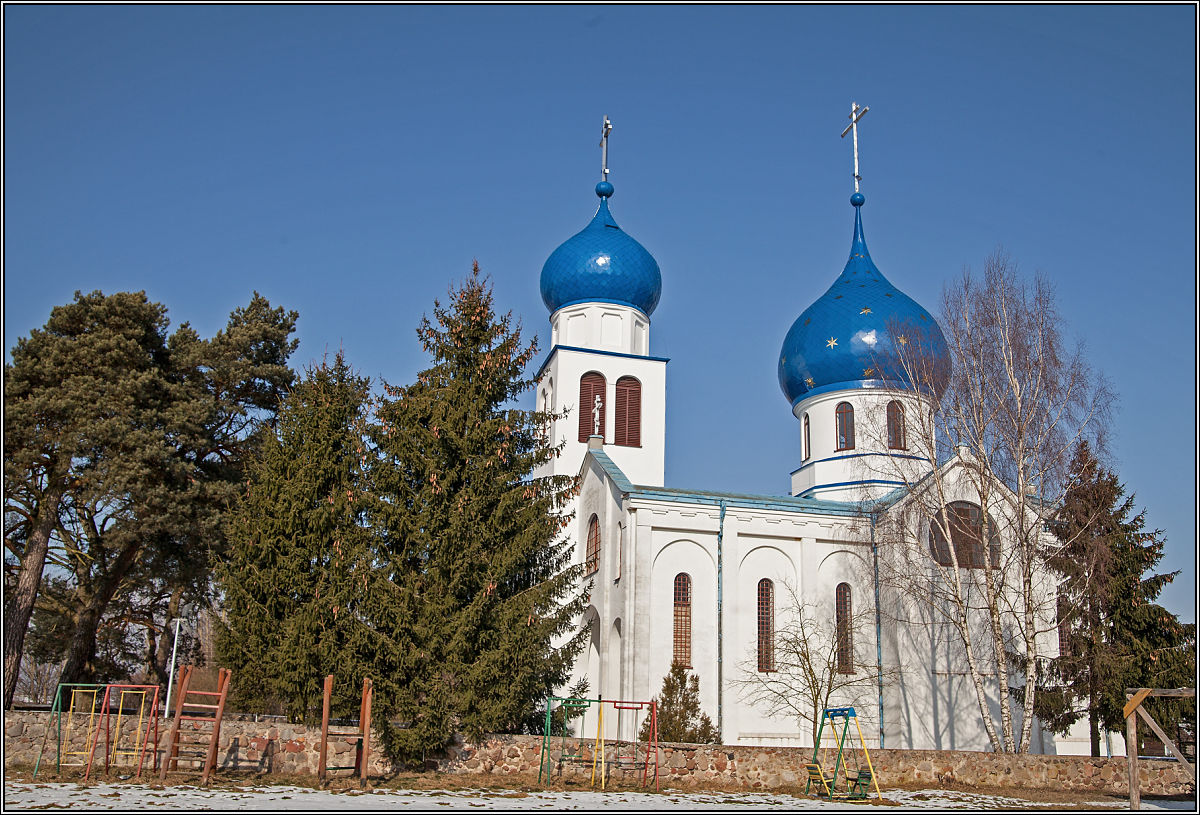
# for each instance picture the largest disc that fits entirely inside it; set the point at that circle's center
(1094, 679)
(33, 562)
(166, 639)
(81, 652)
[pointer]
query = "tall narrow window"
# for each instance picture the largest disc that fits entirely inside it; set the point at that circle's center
(1064, 627)
(682, 652)
(895, 426)
(845, 631)
(628, 432)
(845, 426)
(766, 625)
(805, 444)
(591, 559)
(591, 405)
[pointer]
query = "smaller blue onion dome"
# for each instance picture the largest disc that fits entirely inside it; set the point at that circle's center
(861, 333)
(601, 264)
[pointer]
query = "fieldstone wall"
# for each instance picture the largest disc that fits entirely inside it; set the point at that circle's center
(771, 767)
(274, 747)
(246, 744)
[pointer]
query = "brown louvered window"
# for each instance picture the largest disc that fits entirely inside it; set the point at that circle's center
(1064, 626)
(845, 632)
(895, 426)
(682, 652)
(591, 385)
(966, 534)
(628, 432)
(845, 426)
(806, 453)
(766, 625)
(591, 560)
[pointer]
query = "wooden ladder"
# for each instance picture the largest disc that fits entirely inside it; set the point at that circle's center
(361, 735)
(206, 711)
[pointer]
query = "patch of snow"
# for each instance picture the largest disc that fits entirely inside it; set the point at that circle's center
(102, 796)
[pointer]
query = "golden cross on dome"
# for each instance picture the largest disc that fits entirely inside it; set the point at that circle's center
(856, 114)
(832, 341)
(604, 131)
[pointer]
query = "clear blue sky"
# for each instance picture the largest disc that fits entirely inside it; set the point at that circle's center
(350, 163)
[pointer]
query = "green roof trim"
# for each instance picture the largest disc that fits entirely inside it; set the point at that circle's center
(730, 499)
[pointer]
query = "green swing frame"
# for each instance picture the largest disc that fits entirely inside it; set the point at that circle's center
(824, 782)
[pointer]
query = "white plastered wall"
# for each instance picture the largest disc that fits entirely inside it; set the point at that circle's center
(847, 475)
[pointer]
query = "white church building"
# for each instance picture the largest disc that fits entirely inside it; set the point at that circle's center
(711, 578)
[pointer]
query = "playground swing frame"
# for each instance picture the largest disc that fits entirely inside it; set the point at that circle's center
(99, 717)
(857, 788)
(599, 758)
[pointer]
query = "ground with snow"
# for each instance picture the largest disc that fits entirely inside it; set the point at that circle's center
(104, 796)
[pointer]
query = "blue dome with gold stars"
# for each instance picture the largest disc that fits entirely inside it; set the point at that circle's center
(862, 333)
(601, 264)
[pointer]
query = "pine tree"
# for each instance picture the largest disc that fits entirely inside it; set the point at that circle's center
(299, 555)
(680, 718)
(1114, 636)
(122, 449)
(480, 587)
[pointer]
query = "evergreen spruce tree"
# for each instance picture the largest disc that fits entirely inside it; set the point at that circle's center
(475, 627)
(680, 718)
(299, 562)
(1114, 636)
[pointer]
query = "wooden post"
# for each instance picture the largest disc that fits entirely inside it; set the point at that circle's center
(210, 761)
(327, 691)
(364, 721)
(185, 676)
(1131, 760)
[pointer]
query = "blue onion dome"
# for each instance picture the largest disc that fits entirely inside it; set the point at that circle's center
(863, 333)
(601, 264)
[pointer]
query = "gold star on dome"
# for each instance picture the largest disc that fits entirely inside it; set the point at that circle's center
(903, 340)
(868, 372)
(808, 380)
(866, 310)
(832, 341)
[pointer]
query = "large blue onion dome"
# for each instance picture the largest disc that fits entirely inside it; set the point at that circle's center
(601, 264)
(863, 333)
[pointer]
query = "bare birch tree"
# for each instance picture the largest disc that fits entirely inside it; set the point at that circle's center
(967, 538)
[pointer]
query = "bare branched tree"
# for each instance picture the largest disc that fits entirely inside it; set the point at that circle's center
(981, 469)
(806, 673)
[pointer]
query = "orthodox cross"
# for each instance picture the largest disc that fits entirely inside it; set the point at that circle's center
(604, 131)
(596, 408)
(856, 114)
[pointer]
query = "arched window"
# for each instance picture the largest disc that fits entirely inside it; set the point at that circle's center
(628, 432)
(591, 386)
(845, 631)
(682, 652)
(591, 559)
(966, 531)
(766, 625)
(806, 445)
(845, 426)
(897, 438)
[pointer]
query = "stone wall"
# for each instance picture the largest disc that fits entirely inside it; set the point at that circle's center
(275, 747)
(246, 744)
(770, 767)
